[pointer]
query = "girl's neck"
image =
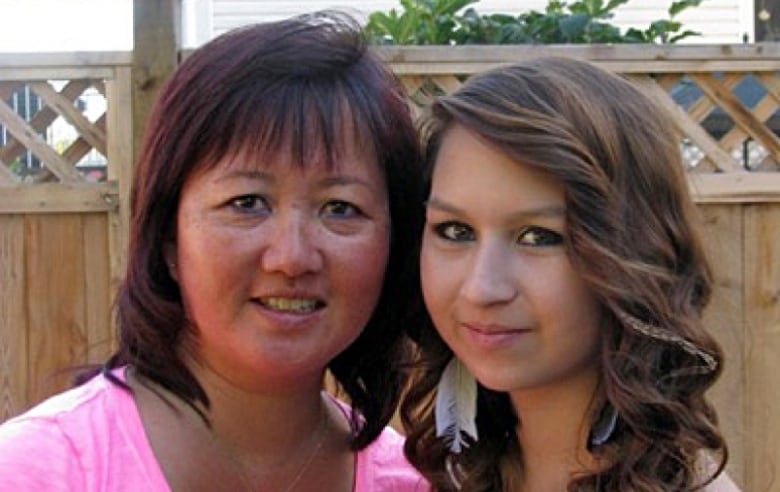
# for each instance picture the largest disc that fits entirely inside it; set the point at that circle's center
(554, 423)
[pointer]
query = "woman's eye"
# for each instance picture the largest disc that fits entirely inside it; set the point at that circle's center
(454, 231)
(340, 209)
(249, 203)
(538, 236)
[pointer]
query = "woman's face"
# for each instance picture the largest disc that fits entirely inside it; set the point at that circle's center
(495, 273)
(280, 267)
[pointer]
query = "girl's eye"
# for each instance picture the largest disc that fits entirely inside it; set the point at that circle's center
(454, 231)
(249, 203)
(538, 236)
(340, 209)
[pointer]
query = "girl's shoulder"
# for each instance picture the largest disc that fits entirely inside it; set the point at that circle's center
(723, 483)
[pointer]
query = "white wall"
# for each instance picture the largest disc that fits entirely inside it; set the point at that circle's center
(719, 21)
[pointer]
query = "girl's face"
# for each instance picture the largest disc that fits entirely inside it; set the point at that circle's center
(496, 277)
(280, 267)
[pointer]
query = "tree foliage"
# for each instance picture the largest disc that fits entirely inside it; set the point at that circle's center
(457, 22)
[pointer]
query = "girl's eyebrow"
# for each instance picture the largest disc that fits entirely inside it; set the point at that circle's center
(549, 211)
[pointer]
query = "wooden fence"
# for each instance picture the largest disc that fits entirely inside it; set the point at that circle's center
(62, 238)
(62, 233)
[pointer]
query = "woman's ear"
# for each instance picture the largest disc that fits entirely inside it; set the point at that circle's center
(169, 254)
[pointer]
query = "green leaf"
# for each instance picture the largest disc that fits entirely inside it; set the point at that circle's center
(613, 4)
(573, 26)
(634, 35)
(451, 7)
(594, 7)
(683, 35)
(681, 5)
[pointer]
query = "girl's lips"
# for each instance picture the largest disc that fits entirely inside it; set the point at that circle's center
(493, 337)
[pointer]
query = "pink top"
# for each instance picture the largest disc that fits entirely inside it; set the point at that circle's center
(91, 438)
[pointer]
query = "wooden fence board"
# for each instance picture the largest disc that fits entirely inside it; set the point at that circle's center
(120, 168)
(55, 300)
(58, 197)
(722, 231)
(762, 323)
(13, 320)
(98, 298)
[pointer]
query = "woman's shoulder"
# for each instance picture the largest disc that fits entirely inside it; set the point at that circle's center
(89, 435)
(381, 466)
(59, 410)
(44, 443)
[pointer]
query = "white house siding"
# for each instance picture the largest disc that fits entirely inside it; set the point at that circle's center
(719, 21)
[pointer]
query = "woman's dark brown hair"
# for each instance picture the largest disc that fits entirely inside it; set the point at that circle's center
(632, 236)
(302, 87)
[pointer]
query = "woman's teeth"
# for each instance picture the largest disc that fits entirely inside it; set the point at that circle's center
(290, 305)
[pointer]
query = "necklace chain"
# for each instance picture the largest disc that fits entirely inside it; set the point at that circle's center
(321, 430)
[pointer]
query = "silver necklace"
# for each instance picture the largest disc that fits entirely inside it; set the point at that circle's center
(322, 432)
(239, 468)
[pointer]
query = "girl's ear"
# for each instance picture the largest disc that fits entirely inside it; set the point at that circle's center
(169, 254)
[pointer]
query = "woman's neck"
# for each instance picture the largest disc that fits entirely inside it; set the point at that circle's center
(259, 422)
(274, 438)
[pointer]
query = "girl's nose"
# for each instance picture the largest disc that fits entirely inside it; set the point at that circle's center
(489, 278)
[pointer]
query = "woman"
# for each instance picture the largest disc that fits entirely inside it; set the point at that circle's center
(272, 213)
(562, 271)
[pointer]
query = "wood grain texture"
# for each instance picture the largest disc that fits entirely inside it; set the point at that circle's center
(722, 227)
(56, 301)
(13, 317)
(99, 296)
(762, 361)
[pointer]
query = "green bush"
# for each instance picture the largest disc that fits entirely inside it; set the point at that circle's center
(441, 22)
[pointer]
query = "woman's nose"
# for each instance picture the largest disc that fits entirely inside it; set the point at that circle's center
(292, 248)
(489, 278)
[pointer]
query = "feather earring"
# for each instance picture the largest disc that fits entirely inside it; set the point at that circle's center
(456, 406)
(604, 427)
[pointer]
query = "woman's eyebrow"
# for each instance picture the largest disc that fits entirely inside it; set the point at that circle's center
(245, 174)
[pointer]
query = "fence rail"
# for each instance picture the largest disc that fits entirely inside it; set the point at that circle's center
(63, 232)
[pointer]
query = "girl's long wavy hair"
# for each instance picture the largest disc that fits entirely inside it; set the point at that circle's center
(632, 236)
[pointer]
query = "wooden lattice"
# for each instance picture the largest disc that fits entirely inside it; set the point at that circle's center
(723, 100)
(22, 134)
(706, 148)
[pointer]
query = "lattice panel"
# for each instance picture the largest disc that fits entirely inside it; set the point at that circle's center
(53, 131)
(729, 122)
(422, 89)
